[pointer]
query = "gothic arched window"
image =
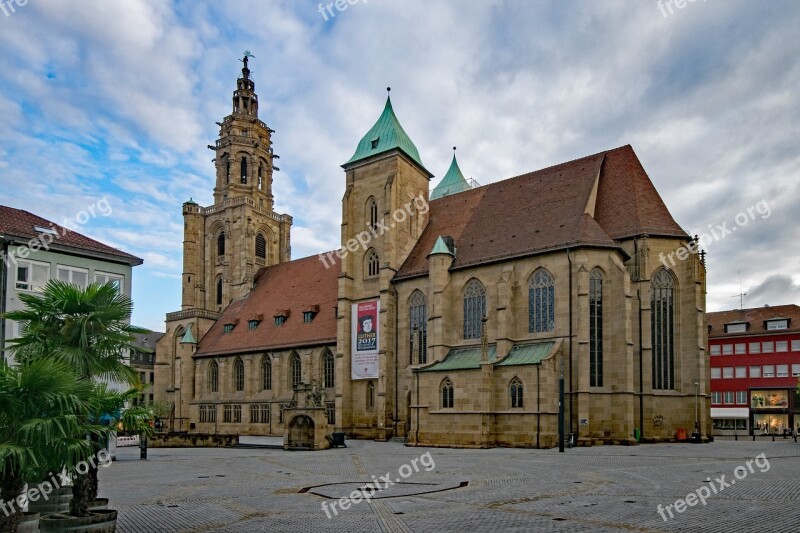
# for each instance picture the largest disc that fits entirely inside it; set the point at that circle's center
(244, 170)
(418, 327)
(213, 377)
(515, 390)
(447, 394)
(221, 244)
(266, 373)
(238, 374)
(372, 213)
(541, 302)
(297, 367)
(260, 178)
(219, 291)
(261, 246)
(373, 263)
(662, 300)
(474, 309)
(370, 395)
(596, 328)
(328, 370)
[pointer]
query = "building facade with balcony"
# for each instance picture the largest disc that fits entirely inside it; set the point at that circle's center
(755, 366)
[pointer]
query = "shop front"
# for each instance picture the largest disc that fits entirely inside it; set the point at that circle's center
(772, 411)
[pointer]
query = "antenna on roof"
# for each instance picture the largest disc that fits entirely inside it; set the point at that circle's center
(741, 294)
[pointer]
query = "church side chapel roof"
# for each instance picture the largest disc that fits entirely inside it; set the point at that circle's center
(387, 134)
(293, 287)
(469, 358)
(546, 210)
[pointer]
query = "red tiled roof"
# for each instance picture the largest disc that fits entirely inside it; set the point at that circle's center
(21, 224)
(755, 317)
(292, 286)
(546, 210)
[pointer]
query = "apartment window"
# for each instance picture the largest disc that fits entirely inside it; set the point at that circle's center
(767, 347)
(114, 279)
(716, 397)
(795, 370)
(741, 397)
(782, 346)
(735, 328)
(716, 373)
(777, 324)
(727, 349)
(76, 276)
(783, 371)
(796, 345)
(741, 371)
(716, 349)
(769, 371)
(728, 397)
(741, 348)
(32, 276)
(727, 372)
(755, 347)
(755, 371)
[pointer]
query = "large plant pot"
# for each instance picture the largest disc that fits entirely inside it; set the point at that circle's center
(57, 501)
(98, 504)
(100, 521)
(28, 523)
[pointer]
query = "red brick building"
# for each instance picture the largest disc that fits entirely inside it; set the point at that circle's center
(755, 365)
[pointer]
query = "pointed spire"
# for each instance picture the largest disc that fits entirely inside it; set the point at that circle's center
(188, 338)
(453, 182)
(385, 135)
(440, 247)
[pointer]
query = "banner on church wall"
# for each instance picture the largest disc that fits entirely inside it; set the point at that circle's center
(364, 340)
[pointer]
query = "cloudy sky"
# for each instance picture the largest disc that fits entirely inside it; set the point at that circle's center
(118, 99)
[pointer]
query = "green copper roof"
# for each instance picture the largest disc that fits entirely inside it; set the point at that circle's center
(527, 354)
(462, 359)
(453, 182)
(387, 134)
(188, 338)
(440, 247)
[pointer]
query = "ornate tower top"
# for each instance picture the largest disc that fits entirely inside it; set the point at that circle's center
(245, 99)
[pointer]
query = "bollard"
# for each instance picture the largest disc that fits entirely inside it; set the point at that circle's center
(143, 448)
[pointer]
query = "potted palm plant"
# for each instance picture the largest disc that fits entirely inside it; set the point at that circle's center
(41, 413)
(89, 331)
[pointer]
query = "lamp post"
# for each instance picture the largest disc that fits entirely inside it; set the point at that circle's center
(696, 411)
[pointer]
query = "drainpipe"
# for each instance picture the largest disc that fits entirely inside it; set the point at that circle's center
(569, 258)
(396, 359)
(4, 293)
(641, 372)
(538, 405)
(416, 440)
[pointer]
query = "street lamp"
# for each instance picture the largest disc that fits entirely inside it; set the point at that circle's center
(696, 411)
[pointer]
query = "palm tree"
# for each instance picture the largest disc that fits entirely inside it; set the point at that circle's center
(42, 409)
(89, 331)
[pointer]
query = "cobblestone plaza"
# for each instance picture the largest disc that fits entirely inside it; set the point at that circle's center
(603, 489)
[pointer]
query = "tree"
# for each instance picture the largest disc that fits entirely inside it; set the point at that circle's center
(87, 330)
(43, 407)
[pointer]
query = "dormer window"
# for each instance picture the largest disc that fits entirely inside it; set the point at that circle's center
(252, 324)
(781, 323)
(737, 327)
(309, 313)
(49, 231)
(280, 317)
(375, 142)
(227, 328)
(280, 320)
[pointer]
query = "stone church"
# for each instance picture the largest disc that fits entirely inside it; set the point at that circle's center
(448, 316)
